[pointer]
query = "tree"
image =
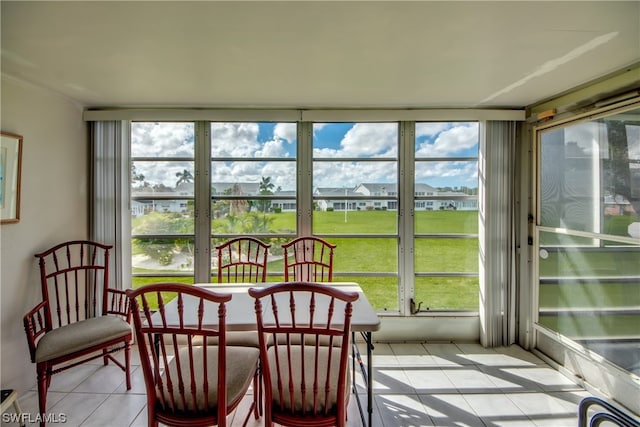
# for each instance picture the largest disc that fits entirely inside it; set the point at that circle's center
(618, 168)
(266, 185)
(238, 206)
(265, 188)
(135, 176)
(184, 176)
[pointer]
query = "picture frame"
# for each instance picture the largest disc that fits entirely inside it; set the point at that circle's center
(10, 172)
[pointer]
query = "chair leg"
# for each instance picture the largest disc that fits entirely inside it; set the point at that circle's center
(127, 364)
(151, 419)
(49, 376)
(44, 379)
(257, 393)
(106, 357)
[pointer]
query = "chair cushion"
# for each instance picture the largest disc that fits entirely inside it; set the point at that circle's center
(241, 366)
(309, 372)
(234, 339)
(239, 339)
(308, 340)
(80, 336)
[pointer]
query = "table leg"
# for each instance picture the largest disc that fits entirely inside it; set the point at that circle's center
(369, 342)
(367, 376)
(355, 354)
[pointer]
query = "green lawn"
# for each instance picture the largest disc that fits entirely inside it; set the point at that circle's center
(371, 255)
(378, 257)
(591, 291)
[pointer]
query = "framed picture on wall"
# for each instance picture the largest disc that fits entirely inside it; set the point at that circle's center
(10, 168)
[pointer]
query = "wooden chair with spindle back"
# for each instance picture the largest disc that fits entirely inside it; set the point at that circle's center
(80, 317)
(304, 349)
(242, 260)
(189, 383)
(308, 259)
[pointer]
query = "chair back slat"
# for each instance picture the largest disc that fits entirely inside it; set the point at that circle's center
(308, 259)
(74, 277)
(175, 363)
(304, 365)
(242, 260)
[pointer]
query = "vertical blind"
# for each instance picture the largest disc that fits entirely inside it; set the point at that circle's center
(497, 233)
(109, 210)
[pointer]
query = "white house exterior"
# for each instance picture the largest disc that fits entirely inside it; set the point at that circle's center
(377, 192)
(285, 205)
(383, 197)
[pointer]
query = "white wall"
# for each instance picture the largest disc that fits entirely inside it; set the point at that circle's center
(53, 208)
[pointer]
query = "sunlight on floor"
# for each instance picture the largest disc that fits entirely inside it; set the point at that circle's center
(415, 384)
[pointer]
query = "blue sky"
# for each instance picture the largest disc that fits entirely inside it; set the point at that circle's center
(331, 141)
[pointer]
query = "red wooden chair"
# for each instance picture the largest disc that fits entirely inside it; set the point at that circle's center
(305, 373)
(242, 260)
(189, 383)
(80, 318)
(308, 259)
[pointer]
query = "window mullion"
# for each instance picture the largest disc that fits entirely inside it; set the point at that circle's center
(305, 181)
(202, 261)
(406, 185)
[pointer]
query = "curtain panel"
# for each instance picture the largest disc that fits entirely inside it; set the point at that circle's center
(497, 234)
(110, 201)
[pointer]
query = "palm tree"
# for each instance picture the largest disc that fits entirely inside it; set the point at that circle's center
(265, 188)
(184, 176)
(266, 185)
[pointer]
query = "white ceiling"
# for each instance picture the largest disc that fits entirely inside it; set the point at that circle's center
(316, 54)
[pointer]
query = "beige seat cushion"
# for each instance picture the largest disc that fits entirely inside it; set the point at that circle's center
(234, 338)
(79, 336)
(239, 339)
(309, 372)
(241, 366)
(308, 340)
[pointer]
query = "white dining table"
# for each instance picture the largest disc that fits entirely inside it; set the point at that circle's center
(240, 316)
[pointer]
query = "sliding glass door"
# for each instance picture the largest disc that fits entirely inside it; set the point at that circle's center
(588, 235)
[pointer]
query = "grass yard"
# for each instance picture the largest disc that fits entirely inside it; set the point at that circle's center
(373, 255)
(439, 257)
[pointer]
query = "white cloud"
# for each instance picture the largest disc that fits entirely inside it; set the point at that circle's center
(450, 141)
(283, 174)
(363, 140)
(370, 140)
(273, 148)
(349, 174)
(430, 129)
(286, 131)
(162, 140)
(450, 174)
(234, 139)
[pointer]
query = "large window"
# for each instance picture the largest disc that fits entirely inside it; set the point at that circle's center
(446, 216)
(162, 201)
(399, 199)
(589, 234)
(355, 182)
(253, 186)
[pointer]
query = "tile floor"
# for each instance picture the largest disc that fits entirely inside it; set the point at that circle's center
(415, 384)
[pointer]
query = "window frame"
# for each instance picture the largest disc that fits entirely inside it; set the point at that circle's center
(305, 201)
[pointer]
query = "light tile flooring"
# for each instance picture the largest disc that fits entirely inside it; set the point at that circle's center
(415, 384)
